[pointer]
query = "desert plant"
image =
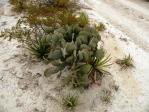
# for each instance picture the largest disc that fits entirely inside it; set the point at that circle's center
(100, 27)
(67, 17)
(76, 48)
(39, 48)
(61, 3)
(17, 32)
(125, 62)
(70, 101)
(83, 20)
(73, 45)
(19, 5)
(77, 81)
(106, 97)
(98, 65)
(45, 12)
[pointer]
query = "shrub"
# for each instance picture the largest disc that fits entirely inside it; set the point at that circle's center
(17, 32)
(19, 5)
(76, 48)
(45, 12)
(67, 17)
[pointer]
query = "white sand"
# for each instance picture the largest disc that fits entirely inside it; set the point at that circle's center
(23, 88)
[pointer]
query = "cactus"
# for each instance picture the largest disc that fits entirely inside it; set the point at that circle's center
(57, 54)
(76, 48)
(70, 47)
(85, 69)
(48, 30)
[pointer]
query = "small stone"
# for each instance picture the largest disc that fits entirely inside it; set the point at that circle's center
(2, 97)
(18, 103)
(141, 17)
(19, 75)
(23, 86)
(35, 110)
(123, 39)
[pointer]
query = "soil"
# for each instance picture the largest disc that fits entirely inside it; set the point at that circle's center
(23, 88)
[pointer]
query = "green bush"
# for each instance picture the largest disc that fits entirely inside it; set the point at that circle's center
(76, 48)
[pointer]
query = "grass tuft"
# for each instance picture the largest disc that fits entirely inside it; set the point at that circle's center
(71, 101)
(39, 48)
(125, 62)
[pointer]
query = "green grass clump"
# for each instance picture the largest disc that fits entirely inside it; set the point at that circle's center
(70, 101)
(67, 17)
(125, 62)
(39, 48)
(83, 20)
(100, 27)
(106, 97)
(98, 65)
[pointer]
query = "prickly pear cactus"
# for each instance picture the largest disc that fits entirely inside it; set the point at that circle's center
(74, 47)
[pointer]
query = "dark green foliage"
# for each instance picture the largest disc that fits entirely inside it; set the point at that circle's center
(77, 81)
(76, 48)
(48, 30)
(71, 101)
(39, 48)
(67, 41)
(126, 62)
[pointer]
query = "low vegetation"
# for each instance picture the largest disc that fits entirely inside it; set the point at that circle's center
(100, 27)
(66, 40)
(17, 32)
(39, 48)
(71, 101)
(83, 20)
(76, 48)
(106, 96)
(125, 62)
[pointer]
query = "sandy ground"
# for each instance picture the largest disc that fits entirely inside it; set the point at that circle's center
(129, 16)
(23, 88)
